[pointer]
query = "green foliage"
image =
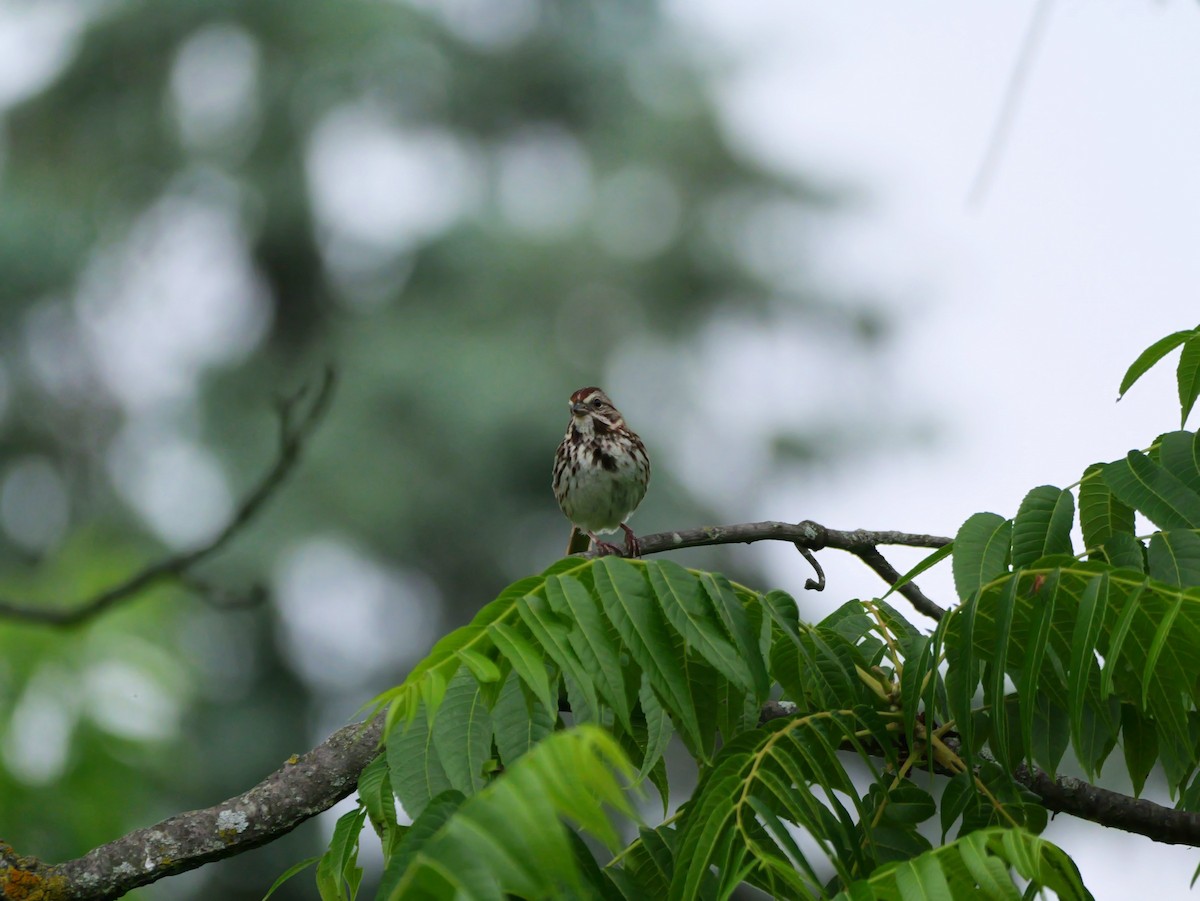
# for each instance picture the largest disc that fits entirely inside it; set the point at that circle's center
(1187, 374)
(977, 865)
(287, 874)
(378, 801)
(890, 729)
(981, 551)
(1101, 515)
(643, 650)
(510, 837)
(338, 872)
(791, 772)
(1106, 645)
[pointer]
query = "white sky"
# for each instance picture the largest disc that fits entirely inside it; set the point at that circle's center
(1018, 317)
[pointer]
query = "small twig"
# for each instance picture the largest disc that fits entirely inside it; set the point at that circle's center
(909, 590)
(295, 428)
(817, 584)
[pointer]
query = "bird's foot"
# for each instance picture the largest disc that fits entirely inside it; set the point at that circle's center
(633, 547)
(604, 548)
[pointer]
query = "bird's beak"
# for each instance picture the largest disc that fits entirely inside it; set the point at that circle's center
(579, 409)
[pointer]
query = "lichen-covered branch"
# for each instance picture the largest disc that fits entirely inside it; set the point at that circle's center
(303, 787)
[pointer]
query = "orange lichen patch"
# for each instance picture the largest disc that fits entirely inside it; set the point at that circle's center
(27, 878)
(27, 885)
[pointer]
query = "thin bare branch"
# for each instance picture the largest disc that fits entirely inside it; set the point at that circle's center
(810, 536)
(875, 560)
(296, 426)
(223, 598)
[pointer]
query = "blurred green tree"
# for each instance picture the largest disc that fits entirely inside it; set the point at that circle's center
(470, 209)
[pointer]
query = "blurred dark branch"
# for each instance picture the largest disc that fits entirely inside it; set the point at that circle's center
(303, 787)
(811, 536)
(1013, 93)
(299, 416)
(222, 598)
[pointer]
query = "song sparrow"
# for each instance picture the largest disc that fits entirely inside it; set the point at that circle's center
(601, 470)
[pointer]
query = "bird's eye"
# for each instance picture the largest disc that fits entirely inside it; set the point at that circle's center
(596, 403)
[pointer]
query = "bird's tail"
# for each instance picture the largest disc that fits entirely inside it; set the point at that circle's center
(579, 542)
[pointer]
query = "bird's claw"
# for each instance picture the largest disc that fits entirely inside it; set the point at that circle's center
(605, 548)
(633, 547)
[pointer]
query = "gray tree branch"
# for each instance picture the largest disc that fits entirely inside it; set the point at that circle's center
(1067, 794)
(810, 536)
(303, 787)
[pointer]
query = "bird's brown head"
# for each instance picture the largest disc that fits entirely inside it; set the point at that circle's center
(592, 410)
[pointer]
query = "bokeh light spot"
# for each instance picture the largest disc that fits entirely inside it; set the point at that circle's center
(178, 296)
(34, 507)
(214, 88)
(385, 187)
(544, 181)
(637, 213)
(39, 731)
(484, 23)
(348, 618)
(176, 485)
(127, 700)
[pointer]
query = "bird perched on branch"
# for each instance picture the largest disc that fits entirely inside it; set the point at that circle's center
(601, 471)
